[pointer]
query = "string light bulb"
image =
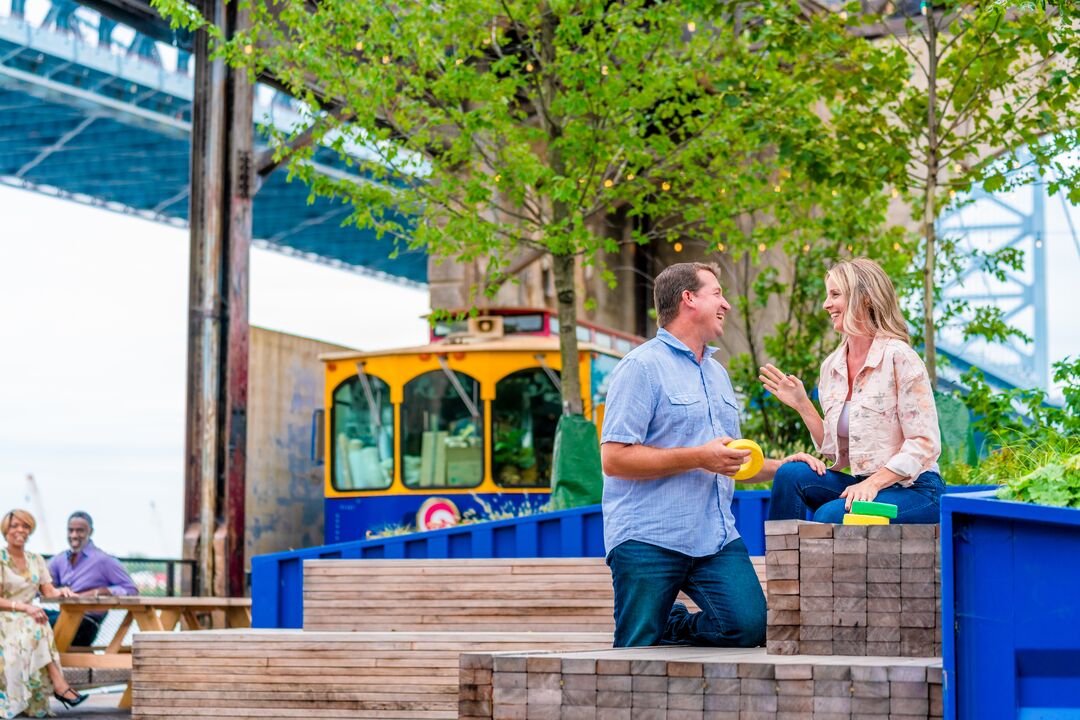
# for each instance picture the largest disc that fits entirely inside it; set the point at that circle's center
(608, 183)
(720, 247)
(761, 247)
(691, 26)
(603, 69)
(359, 45)
(678, 247)
(665, 186)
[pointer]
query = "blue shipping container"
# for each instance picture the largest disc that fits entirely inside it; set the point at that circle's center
(1010, 582)
(277, 579)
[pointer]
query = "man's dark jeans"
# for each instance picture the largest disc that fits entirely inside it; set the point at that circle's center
(648, 578)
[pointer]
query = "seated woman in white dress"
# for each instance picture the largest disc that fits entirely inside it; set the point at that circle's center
(29, 662)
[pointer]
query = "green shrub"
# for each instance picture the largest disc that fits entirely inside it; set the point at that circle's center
(1055, 479)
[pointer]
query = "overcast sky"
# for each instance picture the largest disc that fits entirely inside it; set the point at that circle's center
(93, 309)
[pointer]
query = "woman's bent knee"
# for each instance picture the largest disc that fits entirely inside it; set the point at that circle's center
(791, 473)
(831, 512)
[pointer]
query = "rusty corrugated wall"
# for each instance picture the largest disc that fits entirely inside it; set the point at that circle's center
(284, 507)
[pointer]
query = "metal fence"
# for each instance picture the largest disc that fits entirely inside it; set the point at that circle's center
(161, 577)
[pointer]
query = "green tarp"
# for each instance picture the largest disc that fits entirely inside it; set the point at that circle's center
(576, 476)
(957, 439)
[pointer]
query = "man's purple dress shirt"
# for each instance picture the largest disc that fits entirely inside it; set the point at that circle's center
(93, 569)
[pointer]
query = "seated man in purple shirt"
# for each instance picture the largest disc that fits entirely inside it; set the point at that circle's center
(89, 572)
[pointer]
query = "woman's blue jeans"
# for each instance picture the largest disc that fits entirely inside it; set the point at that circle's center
(797, 488)
(647, 579)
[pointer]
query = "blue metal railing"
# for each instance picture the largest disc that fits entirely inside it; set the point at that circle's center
(277, 580)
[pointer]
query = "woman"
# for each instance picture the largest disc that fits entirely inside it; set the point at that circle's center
(880, 418)
(29, 662)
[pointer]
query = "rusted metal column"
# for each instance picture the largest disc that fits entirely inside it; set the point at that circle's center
(221, 143)
(238, 251)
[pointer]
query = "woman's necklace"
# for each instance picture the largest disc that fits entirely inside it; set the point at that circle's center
(19, 563)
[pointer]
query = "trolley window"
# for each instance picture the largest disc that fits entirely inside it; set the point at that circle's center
(442, 437)
(362, 428)
(524, 415)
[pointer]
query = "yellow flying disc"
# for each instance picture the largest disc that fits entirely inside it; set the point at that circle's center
(753, 464)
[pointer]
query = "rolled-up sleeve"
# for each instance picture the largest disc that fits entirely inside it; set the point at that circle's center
(630, 401)
(116, 578)
(917, 412)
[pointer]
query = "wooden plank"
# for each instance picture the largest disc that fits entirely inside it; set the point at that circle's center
(238, 617)
(118, 638)
(279, 673)
(118, 661)
(66, 625)
(494, 594)
(169, 618)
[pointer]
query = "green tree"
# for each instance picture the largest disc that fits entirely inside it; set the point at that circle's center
(483, 129)
(988, 95)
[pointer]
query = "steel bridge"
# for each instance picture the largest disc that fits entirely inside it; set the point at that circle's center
(93, 111)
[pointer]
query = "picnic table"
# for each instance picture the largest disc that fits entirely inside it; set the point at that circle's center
(148, 614)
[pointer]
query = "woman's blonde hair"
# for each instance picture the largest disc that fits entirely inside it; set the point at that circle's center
(11, 516)
(872, 306)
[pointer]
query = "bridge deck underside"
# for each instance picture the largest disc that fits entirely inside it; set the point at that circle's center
(105, 139)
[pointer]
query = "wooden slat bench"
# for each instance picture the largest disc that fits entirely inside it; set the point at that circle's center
(514, 594)
(381, 638)
(303, 674)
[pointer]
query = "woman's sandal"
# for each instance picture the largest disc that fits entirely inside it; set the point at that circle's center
(68, 701)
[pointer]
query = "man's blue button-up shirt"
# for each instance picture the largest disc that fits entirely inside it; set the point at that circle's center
(661, 396)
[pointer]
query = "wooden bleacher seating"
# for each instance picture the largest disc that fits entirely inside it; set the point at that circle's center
(381, 639)
(513, 594)
(271, 674)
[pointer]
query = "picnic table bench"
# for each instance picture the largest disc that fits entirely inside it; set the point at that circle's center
(147, 614)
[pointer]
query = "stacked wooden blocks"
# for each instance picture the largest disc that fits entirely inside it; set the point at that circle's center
(697, 684)
(853, 589)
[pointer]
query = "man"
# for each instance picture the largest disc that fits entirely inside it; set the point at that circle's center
(671, 410)
(89, 572)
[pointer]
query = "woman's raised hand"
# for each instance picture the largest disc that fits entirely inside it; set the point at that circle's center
(788, 389)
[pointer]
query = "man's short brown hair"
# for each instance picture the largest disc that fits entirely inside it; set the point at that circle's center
(672, 282)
